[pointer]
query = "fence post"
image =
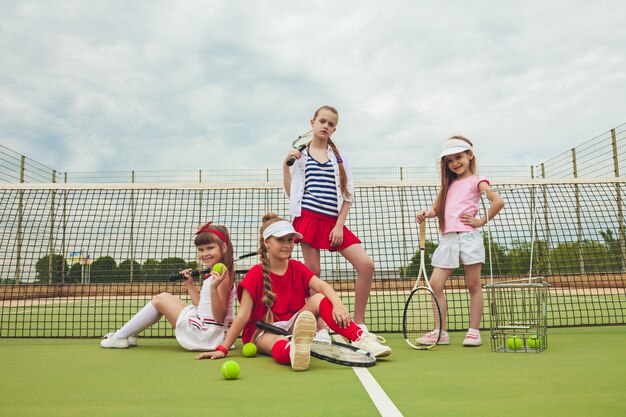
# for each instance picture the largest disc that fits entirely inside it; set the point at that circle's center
(51, 237)
(545, 218)
(132, 229)
(64, 222)
(618, 192)
(581, 260)
(20, 210)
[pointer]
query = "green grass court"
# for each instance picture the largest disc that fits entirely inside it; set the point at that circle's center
(580, 374)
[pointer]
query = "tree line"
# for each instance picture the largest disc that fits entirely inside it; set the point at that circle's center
(578, 257)
(586, 256)
(106, 269)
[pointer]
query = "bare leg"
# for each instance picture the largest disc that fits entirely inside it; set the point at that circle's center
(472, 280)
(266, 342)
(437, 281)
(311, 258)
(312, 261)
(169, 305)
(364, 265)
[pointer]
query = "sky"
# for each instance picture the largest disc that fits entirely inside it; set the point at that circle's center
(168, 85)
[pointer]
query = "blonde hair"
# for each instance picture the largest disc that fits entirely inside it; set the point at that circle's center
(447, 178)
(343, 177)
(205, 238)
(268, 294)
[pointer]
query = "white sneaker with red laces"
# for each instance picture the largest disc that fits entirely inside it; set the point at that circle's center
(472, 340)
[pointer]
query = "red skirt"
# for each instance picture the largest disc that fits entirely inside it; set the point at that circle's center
(315, 229)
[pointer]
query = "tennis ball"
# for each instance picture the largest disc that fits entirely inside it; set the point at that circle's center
(249, 350)
(219, 268)
(230, 370)
(535, 342)
(514, 343)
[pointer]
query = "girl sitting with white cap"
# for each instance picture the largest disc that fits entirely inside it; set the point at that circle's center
(278, 291)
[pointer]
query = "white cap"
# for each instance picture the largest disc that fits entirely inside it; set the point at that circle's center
(280, 229)
(452, 146)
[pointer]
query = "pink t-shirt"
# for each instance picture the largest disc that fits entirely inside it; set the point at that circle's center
(463, 197)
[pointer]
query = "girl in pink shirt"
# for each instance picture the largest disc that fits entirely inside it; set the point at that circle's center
(456, 207)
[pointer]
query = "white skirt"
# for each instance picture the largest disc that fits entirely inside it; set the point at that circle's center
(194, 333)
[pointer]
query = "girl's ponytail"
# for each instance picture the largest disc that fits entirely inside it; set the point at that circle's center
(343, 177)
(268, 294)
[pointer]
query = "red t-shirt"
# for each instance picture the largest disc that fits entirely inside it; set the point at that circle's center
(291, 291)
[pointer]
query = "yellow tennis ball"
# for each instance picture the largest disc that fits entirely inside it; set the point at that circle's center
(249, 350)
(514, 343)
(535, 342)
(230, 370)
(219, 268)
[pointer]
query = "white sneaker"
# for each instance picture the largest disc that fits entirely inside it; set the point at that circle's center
(323, 336)
(430, 338)
(301, 339)
(372, 343)
(472, 340)
(132, 341)
(109, 342)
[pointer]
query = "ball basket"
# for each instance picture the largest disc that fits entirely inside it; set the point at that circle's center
(518, 310)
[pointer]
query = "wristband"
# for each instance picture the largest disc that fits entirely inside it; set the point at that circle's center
(222, 349)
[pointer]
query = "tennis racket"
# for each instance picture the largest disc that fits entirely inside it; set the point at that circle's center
(422, 313)
(196, 272)
(300, 144)
(333, 352)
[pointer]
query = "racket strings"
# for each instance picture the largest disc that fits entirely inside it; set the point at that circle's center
(421, 316)
(339, 352)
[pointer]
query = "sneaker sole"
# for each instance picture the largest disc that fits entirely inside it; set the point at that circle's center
(304, 330)
(121, 346)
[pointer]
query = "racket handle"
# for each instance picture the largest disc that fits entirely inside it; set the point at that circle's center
(272, 329)
(194, 273)
(423, 235)
(292, 159)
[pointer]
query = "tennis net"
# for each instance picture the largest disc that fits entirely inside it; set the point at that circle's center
(77, 260)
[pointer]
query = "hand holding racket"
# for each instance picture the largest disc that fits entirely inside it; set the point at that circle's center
(299, 144)
(196, 272)
(333, 352)
(422, 314)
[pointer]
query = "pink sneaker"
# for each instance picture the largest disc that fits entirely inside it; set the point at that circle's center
(472, 340)
(430, 337)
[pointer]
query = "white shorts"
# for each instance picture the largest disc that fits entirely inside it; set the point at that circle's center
(194, 333)
(468, 246)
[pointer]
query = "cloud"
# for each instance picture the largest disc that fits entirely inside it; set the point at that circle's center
(169, 85)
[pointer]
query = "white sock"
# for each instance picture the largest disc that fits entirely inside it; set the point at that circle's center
(145, 318)
(363, 327)
(473, 331)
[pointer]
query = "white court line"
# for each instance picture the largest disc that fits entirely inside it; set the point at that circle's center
(379, 397)
(385, 406)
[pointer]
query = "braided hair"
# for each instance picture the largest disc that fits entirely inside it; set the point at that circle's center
(268, 294)
(343, 177)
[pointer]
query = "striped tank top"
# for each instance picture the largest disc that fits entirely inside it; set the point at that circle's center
(320, 188)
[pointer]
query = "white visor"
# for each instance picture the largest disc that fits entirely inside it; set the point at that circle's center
(280, 229)
(452, 146)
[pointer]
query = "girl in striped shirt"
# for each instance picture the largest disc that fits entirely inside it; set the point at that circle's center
(320, 189)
